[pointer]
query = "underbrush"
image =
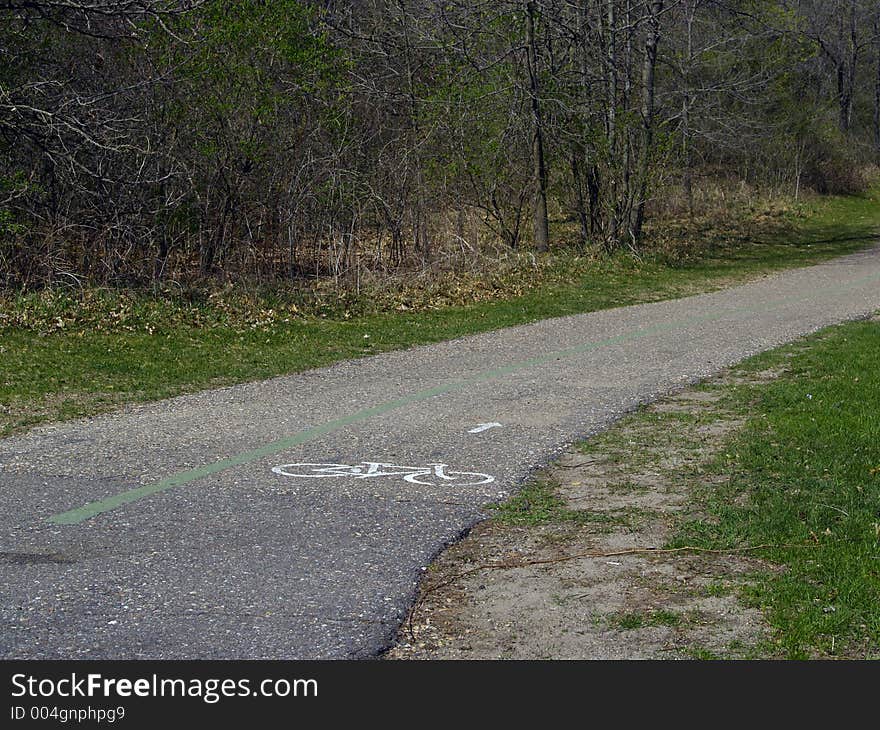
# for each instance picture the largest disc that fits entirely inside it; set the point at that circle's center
(737, 234)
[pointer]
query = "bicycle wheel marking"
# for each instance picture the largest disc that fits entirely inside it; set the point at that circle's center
(484, 427)
(431, 475)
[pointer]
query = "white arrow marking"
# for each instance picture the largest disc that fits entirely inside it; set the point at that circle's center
(484, 427)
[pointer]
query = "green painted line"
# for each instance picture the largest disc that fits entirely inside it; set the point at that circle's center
(74, 516)
(80, 514)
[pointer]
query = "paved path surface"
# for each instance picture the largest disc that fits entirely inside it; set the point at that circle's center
(162, 531)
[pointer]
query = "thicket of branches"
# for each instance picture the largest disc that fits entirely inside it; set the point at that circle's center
(141, 139)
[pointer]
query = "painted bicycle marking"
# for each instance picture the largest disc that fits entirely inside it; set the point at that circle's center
(431, 475)
(484, 427)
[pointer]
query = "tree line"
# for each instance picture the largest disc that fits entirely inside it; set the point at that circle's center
(286, 139)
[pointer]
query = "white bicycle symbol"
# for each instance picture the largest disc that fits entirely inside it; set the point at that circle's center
(431, 475)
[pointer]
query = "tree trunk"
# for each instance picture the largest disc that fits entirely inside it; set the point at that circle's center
(161, 256)
(648, 72)
(581, 202)
(877, 87)
(421, 239)
(612, 232)
(687, 152)
(846, 69)
(542, 228)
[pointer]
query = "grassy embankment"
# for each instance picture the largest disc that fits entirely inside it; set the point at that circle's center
(69, 354)
(804, 472)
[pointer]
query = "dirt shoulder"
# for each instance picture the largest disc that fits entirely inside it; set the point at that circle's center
(572, 568)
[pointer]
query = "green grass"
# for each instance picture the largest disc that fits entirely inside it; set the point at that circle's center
(643, 619)
(537, 504)
(805, 471)
(61, 359)
(702, 654)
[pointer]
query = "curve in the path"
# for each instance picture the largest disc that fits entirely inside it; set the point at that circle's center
(172, 530)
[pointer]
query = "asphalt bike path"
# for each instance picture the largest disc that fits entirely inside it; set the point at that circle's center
(293, 517)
